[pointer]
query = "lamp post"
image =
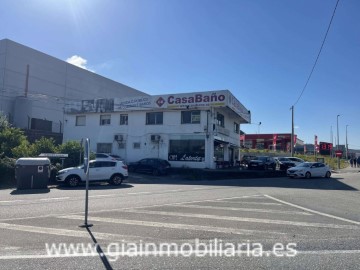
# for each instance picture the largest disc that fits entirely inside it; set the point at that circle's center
(347, 147)
(337, 145)
(259, 127)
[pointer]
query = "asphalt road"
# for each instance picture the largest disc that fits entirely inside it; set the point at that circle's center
(157, 223)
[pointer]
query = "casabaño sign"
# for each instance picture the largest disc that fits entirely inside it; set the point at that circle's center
(202, 99)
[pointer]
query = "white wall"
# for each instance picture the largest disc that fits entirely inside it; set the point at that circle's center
(138, 132)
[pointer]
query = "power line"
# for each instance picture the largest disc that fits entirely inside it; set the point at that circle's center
(317, 58)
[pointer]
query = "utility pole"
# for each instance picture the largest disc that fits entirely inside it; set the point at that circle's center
(292, 131)
(347, 150)
(337, 146)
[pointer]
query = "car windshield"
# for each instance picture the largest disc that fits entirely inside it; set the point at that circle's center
(261, 158)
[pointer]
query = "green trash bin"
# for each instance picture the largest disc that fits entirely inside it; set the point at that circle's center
(32, 173)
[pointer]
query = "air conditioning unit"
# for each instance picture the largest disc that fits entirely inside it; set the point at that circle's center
(155, 138)
(118, 137)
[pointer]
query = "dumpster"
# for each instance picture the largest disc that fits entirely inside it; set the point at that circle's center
(32, 173)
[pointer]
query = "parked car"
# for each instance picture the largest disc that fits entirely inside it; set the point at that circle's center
(309, 169)
(297, 161)
(284, 163)
(156, 166)
(99, 170)
(246, 159)
(262, 163)
(107, 156)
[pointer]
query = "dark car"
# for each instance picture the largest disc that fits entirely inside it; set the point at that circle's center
(284, 163)
(246, 159)
(155, 166)
(262, 163)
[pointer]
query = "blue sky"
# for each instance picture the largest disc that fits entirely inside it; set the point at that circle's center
(261, 50)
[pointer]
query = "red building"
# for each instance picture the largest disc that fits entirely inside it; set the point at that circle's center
(278, 141)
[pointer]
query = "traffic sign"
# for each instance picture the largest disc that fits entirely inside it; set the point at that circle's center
(338, 153)
(86, 155)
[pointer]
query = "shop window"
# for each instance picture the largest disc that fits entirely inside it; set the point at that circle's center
(105, 119)
(154, 118)
(80, 120)
(187, 150)
(190, 117)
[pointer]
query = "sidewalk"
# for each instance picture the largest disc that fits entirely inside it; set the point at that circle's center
(348, 170)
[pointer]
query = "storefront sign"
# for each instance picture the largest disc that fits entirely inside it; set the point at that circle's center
(186, 157)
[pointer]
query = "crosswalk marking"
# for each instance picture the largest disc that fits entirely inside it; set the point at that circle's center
(244, 209)
(242, 219)
(65, 232)
(259, 203)
(314, 211)
(174, 225)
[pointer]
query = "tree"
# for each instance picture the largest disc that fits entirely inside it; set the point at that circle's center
(10, 138)
(44, 145)
(73, 149)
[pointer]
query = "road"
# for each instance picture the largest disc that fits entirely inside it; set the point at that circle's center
(156, 223)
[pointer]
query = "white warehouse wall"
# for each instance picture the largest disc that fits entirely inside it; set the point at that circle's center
(51, 83)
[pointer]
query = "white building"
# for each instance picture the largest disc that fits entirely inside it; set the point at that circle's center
(35, 86)
(188, 130)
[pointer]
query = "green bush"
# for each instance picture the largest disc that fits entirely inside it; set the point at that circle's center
(7, 170)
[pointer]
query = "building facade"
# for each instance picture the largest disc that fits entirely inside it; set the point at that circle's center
(35, 87)
(189, 130)
(276, 141)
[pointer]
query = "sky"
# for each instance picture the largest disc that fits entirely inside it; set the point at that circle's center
(261, 50)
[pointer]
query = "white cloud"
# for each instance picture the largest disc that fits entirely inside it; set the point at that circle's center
(78, 61)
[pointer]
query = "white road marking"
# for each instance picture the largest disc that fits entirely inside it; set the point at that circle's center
(241, 219)
(106, 195)
(11, 201)
(259, 203)
(174, 225)
(221, 252)
(245, 209)
(54, 199)
(314, 211)
(63, 232)
(137, 193)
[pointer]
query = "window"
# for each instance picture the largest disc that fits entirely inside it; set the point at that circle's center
(104, 147)
(80, 120)
(136, 145)
(190, 117)
(187, 149)
(155, 118)
(220, 120)
(123, 119)
(105, 119)
(236, 127)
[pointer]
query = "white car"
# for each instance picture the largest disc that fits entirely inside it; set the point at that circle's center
(99, 170)
(309, 169)
(107, 156)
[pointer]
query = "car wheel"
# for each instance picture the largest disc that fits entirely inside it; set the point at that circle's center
(116, 180)
(73, 181)
(307, 175)
(156, 172)
(328, 174)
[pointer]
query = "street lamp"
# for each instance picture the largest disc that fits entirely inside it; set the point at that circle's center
(337, 146)
(259, 127)
(347, 147)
